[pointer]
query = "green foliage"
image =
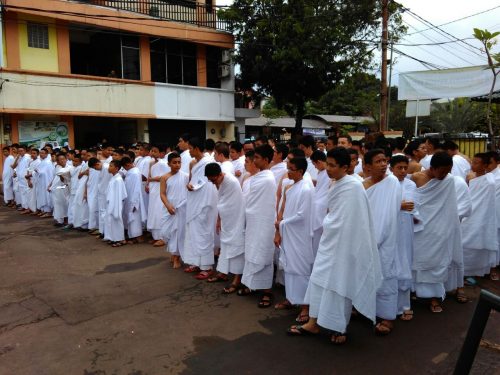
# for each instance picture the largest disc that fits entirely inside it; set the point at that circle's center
(297, 50)
(456, 116)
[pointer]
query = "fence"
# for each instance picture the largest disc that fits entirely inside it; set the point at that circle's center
(470, 144)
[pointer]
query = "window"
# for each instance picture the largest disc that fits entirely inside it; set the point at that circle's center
(173, 61)
(214, 61)
(131, 64)
(38, 35)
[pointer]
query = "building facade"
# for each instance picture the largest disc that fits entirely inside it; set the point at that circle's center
(117, 70)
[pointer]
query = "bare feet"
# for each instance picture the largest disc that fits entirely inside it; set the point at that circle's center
(176, 261)
(436, 306)
(159, 243)
(384, 327)
(407, 315)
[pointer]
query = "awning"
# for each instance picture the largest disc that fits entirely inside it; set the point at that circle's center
(285, 122)
(336, 119)
(446, 83)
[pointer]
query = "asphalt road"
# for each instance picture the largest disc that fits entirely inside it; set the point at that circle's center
(70, 304)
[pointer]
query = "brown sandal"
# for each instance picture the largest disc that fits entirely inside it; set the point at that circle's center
(383, 328)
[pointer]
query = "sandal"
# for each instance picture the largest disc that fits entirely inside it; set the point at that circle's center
(383, 328)
(407, 315)
(266, 300)
(244, 291)
(338, 338)
(494, 276)
(285, 305)
(191, 269)
(460, 297)
(116, 244)
(436, 307)
(217, 278)
(302, 318)
(231, 288)
(204, 275)
(299, 330)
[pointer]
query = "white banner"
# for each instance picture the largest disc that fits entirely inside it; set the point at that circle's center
(446, 83)
(418, 108)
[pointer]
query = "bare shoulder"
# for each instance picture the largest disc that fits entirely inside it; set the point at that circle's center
(414, 167)
(420, 178)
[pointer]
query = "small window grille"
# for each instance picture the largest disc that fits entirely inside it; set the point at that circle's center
(38, 35)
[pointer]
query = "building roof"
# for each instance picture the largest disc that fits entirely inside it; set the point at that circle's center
(285, 122)
(331, 119)
(495, 98)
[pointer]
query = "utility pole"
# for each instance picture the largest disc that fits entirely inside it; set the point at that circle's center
(383, 78)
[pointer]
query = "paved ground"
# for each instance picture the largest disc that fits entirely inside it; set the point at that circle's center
(72, 305)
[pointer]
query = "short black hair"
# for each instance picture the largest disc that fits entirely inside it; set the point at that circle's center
(399, 143)
(371, 154)
(334, 140)
(300, 163)
(282, 149)
(250, 154)
(297, 153)
(125, 161)
(76, 156)
(441, 159)
(318, 156)
(235, 145)
(493, 155)
(222, 148)
(412, 146)
(196, 142)
(308, 141)
(484, 156)
(212, 169)
(185, 137)
(131, 155)
(398, 159)
(116, 163)
(352, 151)
(93, 162)
(34, 149)
(435, 142)
(210, 144)
(346, 136)
(265, 151)
(449, 145)
(340, 155)
(173, 155)
(262, 139)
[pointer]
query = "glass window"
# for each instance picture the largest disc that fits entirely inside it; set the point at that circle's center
(214, 61)
(131, 65)
(38, 35)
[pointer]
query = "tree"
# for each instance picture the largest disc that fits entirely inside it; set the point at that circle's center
(456, 116)
(488, 40)
(296, 50)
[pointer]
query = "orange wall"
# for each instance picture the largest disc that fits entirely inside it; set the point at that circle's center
(12, 41)
(145, 57)
(202, 65)
(63, 54)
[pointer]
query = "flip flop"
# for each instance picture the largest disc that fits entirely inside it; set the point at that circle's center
(266, 302)
(231, 288)
(217, 278)
(298, 330)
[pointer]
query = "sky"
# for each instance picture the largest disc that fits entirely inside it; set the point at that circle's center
(438, 12)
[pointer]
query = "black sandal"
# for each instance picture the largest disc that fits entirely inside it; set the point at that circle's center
(244, 291)
(298, 330)
(266, 302)
(337, 335)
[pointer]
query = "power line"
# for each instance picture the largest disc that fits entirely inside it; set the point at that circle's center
(458, 19)
(428, 65)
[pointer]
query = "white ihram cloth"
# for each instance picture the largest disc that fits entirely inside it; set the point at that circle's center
(115, 197)
(456, 270)
(320, 207)
(42, 177)
(347, 266)
(81, 211)
(185, 161)
(93, 197)
(479, 230)
(21, 171)
(404, 256)
(359, 167)
(385, 204)
(461, 167)
(239, 166)
(134, 210)
(32, 190)
(155, 206)
(496, 177)
(73, 187)
(296, 255)
(60, 193)
(438, 226)
(201, 214)
(260, 215)
(232, 217)
(227, 167)
(174, 226)
(7, 179)
(425, 162)
(279, 170)
(102, 189)
(143, 164)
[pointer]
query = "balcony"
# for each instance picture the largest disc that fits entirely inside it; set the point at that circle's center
(185, 11)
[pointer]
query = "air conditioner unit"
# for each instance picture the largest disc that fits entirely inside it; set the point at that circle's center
(226, 56)
(224, 71)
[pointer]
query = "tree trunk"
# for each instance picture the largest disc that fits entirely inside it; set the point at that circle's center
(299, 114)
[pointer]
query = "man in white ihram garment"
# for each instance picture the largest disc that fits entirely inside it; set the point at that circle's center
(134, 210)
(494, 171)
(59, 189)
(34, 163)
(230, 225)
(157, 169)
(186, 157)
(42, 177)
(260, 216)
(319, 212)
(384, 195)
(116, 194)
(294, 236)
(81, 210)
(7, 172)
(201, 215)
(435, 199)
(173, 194)
(346, 272)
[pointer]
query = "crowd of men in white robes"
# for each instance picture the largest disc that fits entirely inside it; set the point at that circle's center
(347, 228)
